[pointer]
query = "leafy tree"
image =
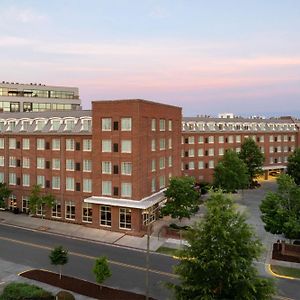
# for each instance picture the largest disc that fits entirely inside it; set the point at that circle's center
(218, 261)
(293, 166)
(4, 194)
(101, 269)
(231, 173)
(183, 199)
(36, 200)
(59, 257)
(281, 210)
(252, 157)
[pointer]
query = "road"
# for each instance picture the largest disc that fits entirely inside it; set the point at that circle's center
(31, 248)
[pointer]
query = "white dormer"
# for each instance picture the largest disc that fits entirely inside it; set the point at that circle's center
(40, 124)
(55, 123)
(70, 123)
(25, 124)
(12, 123)
(86, 123)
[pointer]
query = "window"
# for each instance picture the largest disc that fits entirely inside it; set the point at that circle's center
(210, 139)
(1, 143)
(125, 218)
(40, 124)
(106, 188)
(238, 139)
(25, 144)
(162, 181)
(87, 145)
(1, 177)
(56, 210)
(200, 152)
(116, 125)
(285, 138)
(162, 125)
(162, 144)
(153, 124)
(105, 215)
(87, 165)
(106, 124)
(40, 163)
(191, 152)
(106, 145)
(40, 180)
(1, 161)
(211, 164)
(200, 165)
(221, 139)
(12, 143)
(55, 124)
(126, 124)
(230, 139)
(153, 185)
(56, 182)
(26, 162)
(70, 210)
(106, 167)
(56, 144)
(126, 146)
(221, 151)
(161, 163)
(170, 125)
(87, 185)
(70, 184)
(293, 138)
(153, 165)
(86, 125)
(153, 146)
(25, 207)
(279, 149)
(70, 125)
(191, 165)
(211, 152)
(126, 168)
(271, 150)
(271, 160)
(87, 213)
(238, 150)
(170, 161)
(55, 164)
(191, 140)
(12, 161)
(200, 140)
(70, 165)
(40, 144)
(70, 145)
(271, 138)
(26, 180)
(170, 143)
(126, 189)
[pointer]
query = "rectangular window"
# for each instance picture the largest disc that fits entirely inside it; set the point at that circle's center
(162, 144)
(230, 139)
(191, 165)
(70, 184)
(210, 139)
(1, 143)
(211, 152)
(200, 165)
(126, 189)
(56, 182)
(126, 124)
(170, 125)
(40, 144)
(26, 180)
(106, 145)
(40, 180)
(40, 124)
(153, 146)
(153, 124)
(55, 124)
(55, 164)
(161, 163)
(271, 150)
(126, 168)
(105, 215)
(200, 152)
(200, 140)
(70, 210)
(25, 144)
(162, 124)
(106, 124)
(153, 165)
(271, 138)
(70, 145)
(285, 138)
(126, 146)
(87, 145)
(55, 144)
(271, 160)
(87, 185)
(125, 218)
(293, 138)
(106, 167)
(221, 139)
(26, 162)
(40, 163)
(86, 125)
(25, 207)
(106, 188)
(87, 165)
(153, 185)
(1, 161)
(221, 151)
(211, 164)
(170, 143)
(70, 165)
(162, 181)
(56, 210)
(191, 153)
(116, 125)
(70, 125)
(12, 178)
(170, 161)
(191, 140)
(87, 213)
(237, 138)
(12, 161)
(1, 177)
(12, 143)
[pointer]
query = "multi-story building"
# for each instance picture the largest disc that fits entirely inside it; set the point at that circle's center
(107, 168)
(205, 140)
(15, 97)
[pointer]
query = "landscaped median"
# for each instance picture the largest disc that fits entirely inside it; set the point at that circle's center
(285, 272)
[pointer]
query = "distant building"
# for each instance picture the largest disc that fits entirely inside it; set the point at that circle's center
(33, 97)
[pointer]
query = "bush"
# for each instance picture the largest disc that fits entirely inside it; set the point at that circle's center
(204, 187)
(22, 291)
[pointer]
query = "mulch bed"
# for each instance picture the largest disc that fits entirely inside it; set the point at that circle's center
(81, 286)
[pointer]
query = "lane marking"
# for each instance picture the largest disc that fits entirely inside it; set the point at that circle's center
(91, 257)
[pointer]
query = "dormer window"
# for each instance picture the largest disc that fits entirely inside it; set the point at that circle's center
(40, 124)
(55, 124)
(12, 125)
(1, 126)
(25, 125)
(70, 125)
(86, 125)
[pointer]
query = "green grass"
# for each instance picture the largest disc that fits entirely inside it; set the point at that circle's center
(286, 271)
(167, 250)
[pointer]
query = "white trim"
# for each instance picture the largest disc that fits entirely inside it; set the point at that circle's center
(265, 168)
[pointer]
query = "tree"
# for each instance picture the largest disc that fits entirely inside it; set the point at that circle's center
(36, 200)
(182, 198)
(218, 261)
(293, 166)
(281, 210)
(231, 173)
(101, 269)
(4, 193)
(252, 157)
(59, 257)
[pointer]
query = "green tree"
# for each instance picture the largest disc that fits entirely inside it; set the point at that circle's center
(218, 261)
(59, 257)
(101, 269)
(281, 210)
(36, 200)
(293, 166)
(231, 173)
(4, 194)
(252, 157)
(182, 198)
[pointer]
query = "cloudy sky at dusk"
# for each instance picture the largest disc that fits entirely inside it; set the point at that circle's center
(207, 56)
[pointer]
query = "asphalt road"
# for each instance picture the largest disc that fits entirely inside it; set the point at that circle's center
(31, 248)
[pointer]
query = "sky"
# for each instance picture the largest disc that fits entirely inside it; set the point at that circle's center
(207, 56)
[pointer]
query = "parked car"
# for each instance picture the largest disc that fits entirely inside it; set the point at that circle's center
(297, 242)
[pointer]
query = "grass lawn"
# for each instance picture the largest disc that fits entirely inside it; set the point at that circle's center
(286, 271)
(167, 250)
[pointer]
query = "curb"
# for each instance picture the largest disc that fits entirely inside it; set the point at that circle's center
(269, 270)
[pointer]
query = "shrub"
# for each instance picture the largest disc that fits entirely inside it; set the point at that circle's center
(204, 187)
(21, 291)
